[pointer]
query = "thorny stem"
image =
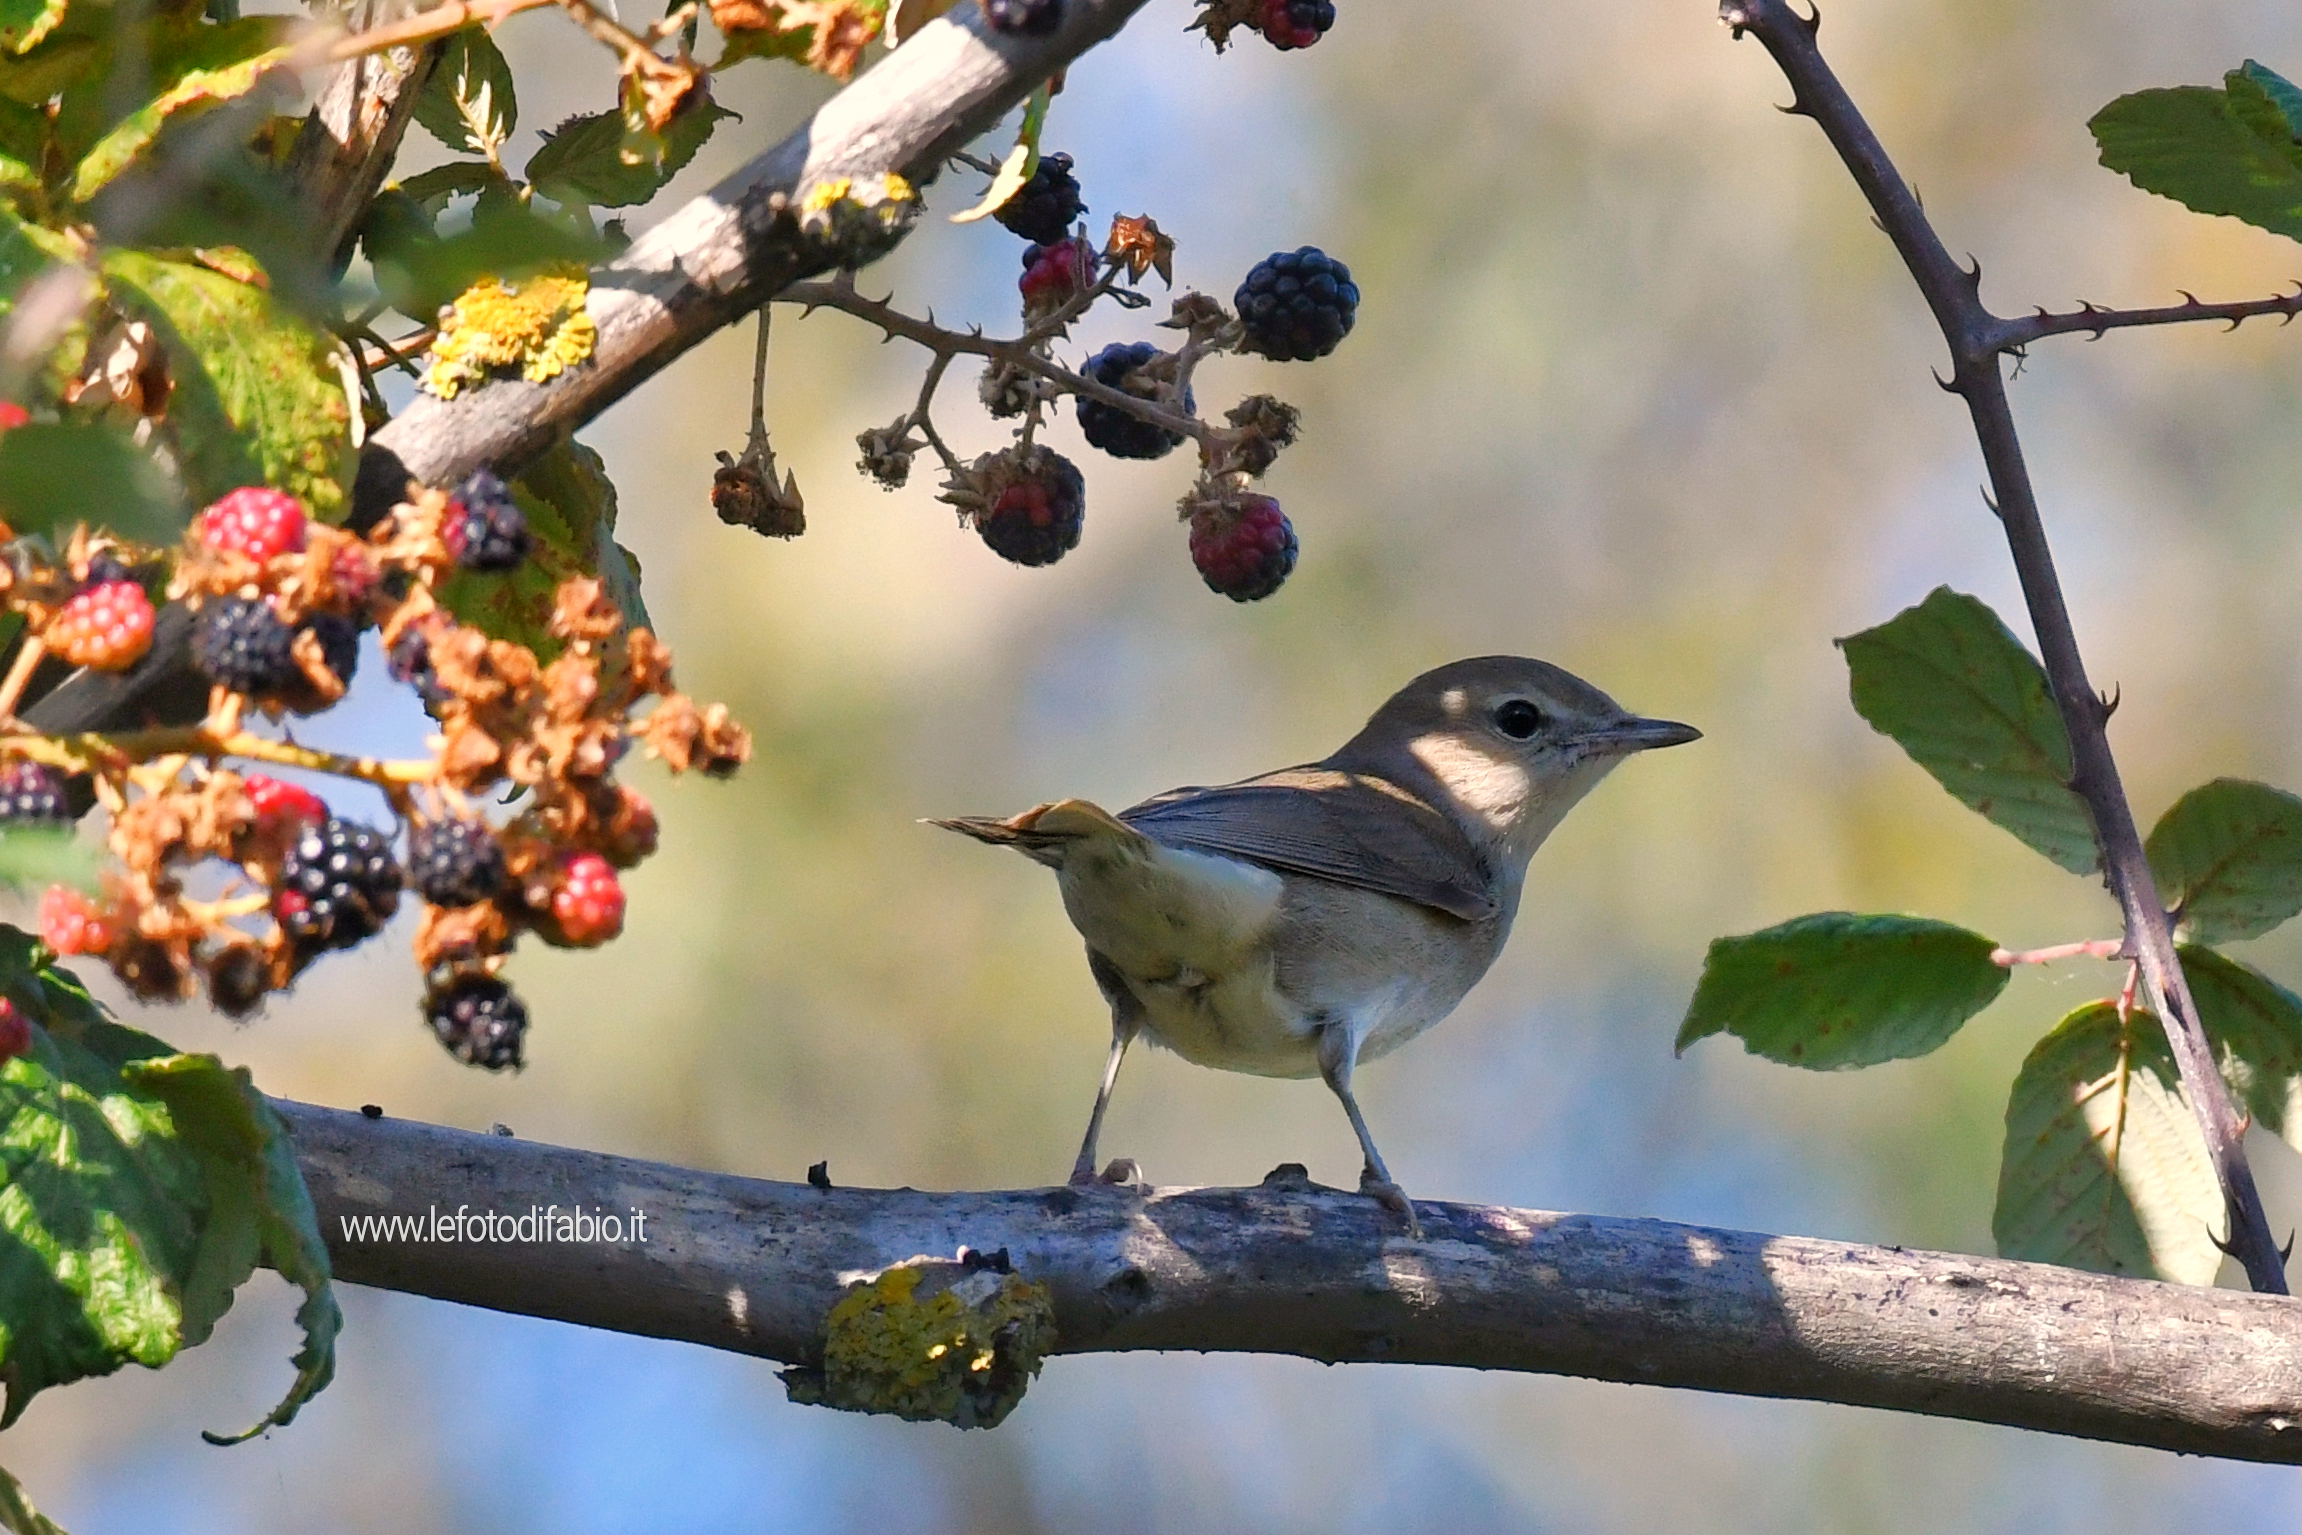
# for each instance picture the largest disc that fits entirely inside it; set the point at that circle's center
(2012, 335)
(2092, 948)
(1977, 338)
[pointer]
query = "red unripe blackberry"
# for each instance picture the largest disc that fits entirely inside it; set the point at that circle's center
(587, 903)
(241, 643)
(1245, 550)
(485, 529)
(254, 520)
(479, 1019)
(1112, 429)
(355, 576)
(1036, 520)
(31, 792)
(1294, 23)
(455, 862)
(1297, 305)
(1044, 208)
(281, 804)
(1054, 274)
(71, 923)
(12, 415)
(15, 1031)
(338, 885)
(1024, 18)
(107, 627)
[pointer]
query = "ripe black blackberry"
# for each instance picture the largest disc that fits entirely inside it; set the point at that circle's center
(411, 663)
(241, 643)
(486, 531)
(339, 643)
(455, 862)
(479, 1019)
(239, 978)
(31, 792)
(338, 885)
(1297, 304)
(1044, 208)
(104, 568)
(1036, 518)
(1112, 429)
(1029, 18)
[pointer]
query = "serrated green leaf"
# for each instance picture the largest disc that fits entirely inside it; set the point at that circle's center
(469, 103)
(2228, 152)
(35, 857)
(1955, 689)
(54, 476)
(23, 23)
(259, 393)
(2104, 1168)
(140, 1188)
(18, 1516)
(2256, 1027)
(458, 178)
(197, 91)
(584, 160)
(1837, 990)
(2228, 859)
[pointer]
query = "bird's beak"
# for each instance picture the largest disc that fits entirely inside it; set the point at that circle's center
(1637, 735)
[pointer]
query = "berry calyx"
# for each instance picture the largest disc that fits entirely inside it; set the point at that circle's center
(485, 529)
(1244, 548)
(281, 805)
(1294, 23)
(72, 923)
(587, 903)
(338, 885)
(108, 627)
(1036, 520)
(240, 643)
(1044, 208)
(256, 521)
(1054, 274)
(479, 1019)
(15, 1031)
(1112, 429)
(1024, 18)
(1297, 305)
(31, 793)
(455, 862)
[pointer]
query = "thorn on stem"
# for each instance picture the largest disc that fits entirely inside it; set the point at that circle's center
(2287, 1251)
(2107, 703)
(1812, 20)
(2227, 1249)
(1949, 385)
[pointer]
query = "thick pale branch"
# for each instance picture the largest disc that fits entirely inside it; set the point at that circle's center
(1976, 345)
(1288, 1268)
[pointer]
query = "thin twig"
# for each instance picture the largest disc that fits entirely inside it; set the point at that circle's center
(83, 753)
(1975, 337)
(2017, 333)
(439, 21)
(922, 419)
(2092, 948)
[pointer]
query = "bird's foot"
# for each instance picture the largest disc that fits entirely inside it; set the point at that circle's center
(1391, 1197)
(1121, 1173)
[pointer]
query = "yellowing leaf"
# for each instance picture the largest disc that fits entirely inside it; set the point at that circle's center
(196, 92)
(1021, 161)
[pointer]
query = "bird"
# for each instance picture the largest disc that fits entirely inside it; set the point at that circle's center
(1305, 921)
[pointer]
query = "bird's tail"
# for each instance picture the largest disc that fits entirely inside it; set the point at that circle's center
(1045, 832)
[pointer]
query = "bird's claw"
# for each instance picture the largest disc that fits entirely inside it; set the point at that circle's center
(1392, 1197)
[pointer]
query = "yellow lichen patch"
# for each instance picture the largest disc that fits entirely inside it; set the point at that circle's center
(859, 207)
(536, 325)
(933, 1340)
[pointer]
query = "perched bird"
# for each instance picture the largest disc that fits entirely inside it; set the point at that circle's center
(1324, 915)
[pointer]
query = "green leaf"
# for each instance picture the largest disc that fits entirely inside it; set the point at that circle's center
(2283, 95)
(2230, 151)
(24, 22)
(2104, 1168)
(259, 393)
(1838, 990)
(54, 476)
(1958, 692)
(468, 102)
(436, 187)
(2228, 859)
(2256, 1026)
(35, 857)
(53, 67)
(18, 1516)
(586, 160)
(141, 1186)
(194, 92)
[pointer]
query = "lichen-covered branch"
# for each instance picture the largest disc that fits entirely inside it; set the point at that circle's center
(1288, 1268)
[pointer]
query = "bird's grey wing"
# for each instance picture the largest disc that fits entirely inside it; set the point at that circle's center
(1352, 828)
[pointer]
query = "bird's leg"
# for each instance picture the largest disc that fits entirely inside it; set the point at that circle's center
(1338, 1054)
(1124, 1026)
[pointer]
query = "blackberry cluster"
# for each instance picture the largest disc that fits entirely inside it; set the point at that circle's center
(1036, 521)
(479, 1019)
(1044, 208)
(1112, 429)
(30, 791)
(1297, 304)
(486, 531)
(1295, 23)
(1027, 18)
(241, 643)
(455, 862)
(338, 885)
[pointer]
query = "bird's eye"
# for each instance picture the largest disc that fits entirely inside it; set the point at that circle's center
(1518, 719)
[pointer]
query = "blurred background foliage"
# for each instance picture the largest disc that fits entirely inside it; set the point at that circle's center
(1636, 388)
